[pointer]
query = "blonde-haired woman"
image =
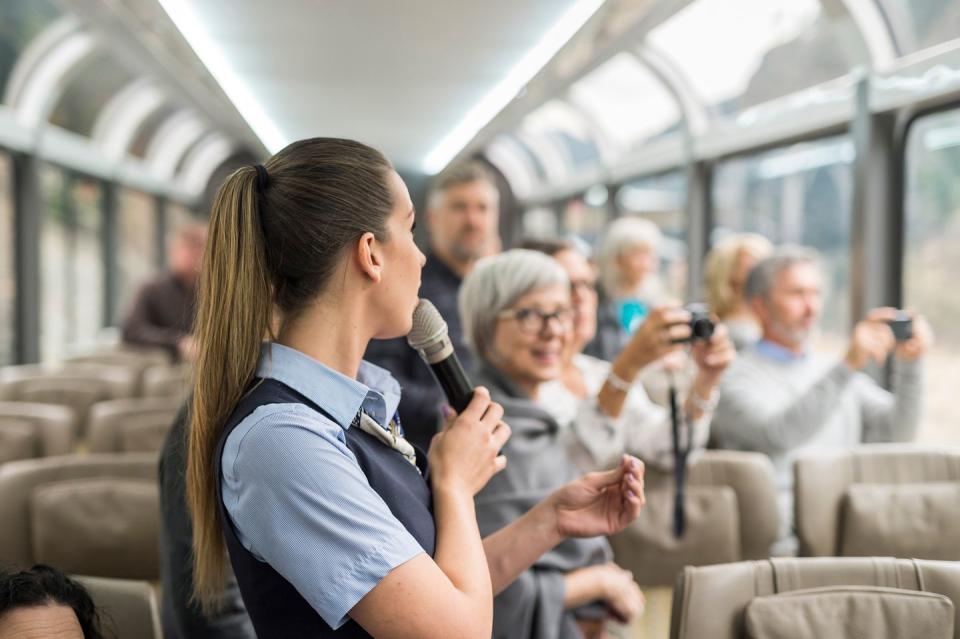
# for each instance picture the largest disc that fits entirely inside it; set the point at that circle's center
(728, 264)
(628, 262)
(297, 468)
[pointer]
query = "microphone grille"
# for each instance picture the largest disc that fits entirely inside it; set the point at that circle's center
(428, 325)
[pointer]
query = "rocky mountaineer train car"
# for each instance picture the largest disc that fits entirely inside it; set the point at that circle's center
(718, 236)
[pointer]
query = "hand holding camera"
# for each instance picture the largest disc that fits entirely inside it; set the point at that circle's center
(883, 330)
(664, 331)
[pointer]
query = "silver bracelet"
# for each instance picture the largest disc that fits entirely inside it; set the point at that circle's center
(706, 405)
(618, 382)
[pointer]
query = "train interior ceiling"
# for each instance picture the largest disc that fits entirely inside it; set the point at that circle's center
(833, 124)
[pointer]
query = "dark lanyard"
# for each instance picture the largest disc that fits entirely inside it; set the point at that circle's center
(680, 454)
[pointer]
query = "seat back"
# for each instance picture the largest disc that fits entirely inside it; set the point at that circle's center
(711, 602)
(880, 499)
(128, 609)
(87, 514)
(77, 386)
(731, 514)
(167, 381)
(52, 426)
(131, 425)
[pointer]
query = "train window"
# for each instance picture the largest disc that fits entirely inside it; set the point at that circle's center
(931, 261)
(20, 23)
(136, 240)
(662, 199)
(7, 264)
(177, 216)
(616, 94)
(564, 134)
(97, 79)
(515, 162)
(761, 50)
(87, 271)
(918, 25)
(802, 194)
(540, 222)
(587, 216)
(71, 263)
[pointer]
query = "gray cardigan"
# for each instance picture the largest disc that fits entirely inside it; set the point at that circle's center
(538, 463)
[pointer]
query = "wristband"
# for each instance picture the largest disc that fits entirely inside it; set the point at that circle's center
(618, 382)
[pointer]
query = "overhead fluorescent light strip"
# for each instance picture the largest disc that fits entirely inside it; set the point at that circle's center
(233, 85)
(518, 76)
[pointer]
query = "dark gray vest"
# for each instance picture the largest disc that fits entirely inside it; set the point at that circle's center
(274, 605)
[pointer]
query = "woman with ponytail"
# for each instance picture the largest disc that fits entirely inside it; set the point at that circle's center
(298, 471)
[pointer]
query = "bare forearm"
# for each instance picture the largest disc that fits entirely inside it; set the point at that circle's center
(581, 587)
(516, 546)
(460, 552)
(611, 398)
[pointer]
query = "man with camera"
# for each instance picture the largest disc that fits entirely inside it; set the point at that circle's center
(780, 398)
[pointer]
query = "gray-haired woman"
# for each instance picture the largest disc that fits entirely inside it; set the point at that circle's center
(516, 314)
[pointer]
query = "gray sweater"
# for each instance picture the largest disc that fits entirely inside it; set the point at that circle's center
(783, 406)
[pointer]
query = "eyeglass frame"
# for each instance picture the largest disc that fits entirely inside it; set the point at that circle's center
(529, 329)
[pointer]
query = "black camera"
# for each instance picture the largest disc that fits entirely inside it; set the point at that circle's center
(701, 326)
(902, 326)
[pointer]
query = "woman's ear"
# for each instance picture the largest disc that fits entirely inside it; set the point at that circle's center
(370, 257)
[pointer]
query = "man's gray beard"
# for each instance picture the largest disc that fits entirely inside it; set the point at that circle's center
(464, 254)
(795, 338)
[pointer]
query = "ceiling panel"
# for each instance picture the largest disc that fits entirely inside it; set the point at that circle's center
(400, 75)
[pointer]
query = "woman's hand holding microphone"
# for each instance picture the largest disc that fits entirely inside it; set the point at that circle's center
(465, 454)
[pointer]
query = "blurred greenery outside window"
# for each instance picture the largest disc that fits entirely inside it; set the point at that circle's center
(931, 269)
(71, 263)
(7, 263)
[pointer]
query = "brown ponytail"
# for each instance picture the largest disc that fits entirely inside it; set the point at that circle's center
(272, 247)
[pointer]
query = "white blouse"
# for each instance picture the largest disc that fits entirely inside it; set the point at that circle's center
(597, 440)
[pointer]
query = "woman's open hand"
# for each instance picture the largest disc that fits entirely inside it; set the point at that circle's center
(600, 503)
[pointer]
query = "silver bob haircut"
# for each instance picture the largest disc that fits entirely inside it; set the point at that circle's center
(764, 274)
(495, 284)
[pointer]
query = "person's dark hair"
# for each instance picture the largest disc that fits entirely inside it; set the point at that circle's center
(550, 246)
(465, 173)
(273, 245)
(42, 586)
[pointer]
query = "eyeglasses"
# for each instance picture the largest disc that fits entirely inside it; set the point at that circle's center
(533, 321)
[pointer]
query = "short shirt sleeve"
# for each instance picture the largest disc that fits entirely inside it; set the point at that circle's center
(300, 502)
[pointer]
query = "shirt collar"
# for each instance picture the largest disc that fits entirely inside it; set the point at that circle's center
(778, 353)
(375, 390)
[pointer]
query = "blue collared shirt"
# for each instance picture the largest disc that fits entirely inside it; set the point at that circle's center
(778, 353)
(296, 494)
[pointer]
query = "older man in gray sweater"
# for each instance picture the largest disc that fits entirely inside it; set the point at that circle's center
(781, 399)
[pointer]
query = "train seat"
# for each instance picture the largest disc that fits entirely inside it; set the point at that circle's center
(128, 609)
(131, 425)
(30, 430)
(731, 515)
(85, 514)
(818, 597)
(167, 381)
(881, 499)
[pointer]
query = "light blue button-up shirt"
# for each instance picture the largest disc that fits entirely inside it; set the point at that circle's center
(296, 494)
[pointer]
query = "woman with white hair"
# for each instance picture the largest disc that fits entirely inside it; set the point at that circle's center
(517, 318)
(728, 264)
(629, 286)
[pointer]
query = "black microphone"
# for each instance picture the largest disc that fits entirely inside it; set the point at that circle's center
(430, 338)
